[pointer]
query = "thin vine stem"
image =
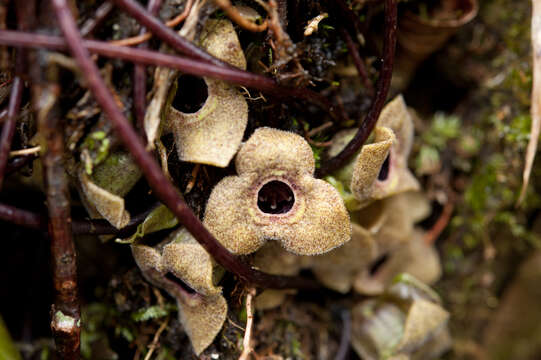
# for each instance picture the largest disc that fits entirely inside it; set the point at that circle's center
(169, 36)
(353, 22)
(140, 76)
(99, 16)
(22, 217)
(343, 348)
(3, 115)
(182, 45)
(357, 60)
(15, 97)
(66, 308)
(186, 65)
(382, 89)
(159, 183)
(33, 220)
(18, 162)
(8, 130)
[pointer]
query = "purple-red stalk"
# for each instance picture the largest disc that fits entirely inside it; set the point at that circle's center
(159, 183)
(140, 77)
(382, 89)
(186, 65)
(8, 130)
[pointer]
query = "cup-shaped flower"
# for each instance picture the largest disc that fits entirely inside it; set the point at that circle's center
(407, 322)
(391, 221)
(381, 167)
(185, 270)
(276, 197)
(383, 245)
(212, 134)
(338, 269)
(414, 257)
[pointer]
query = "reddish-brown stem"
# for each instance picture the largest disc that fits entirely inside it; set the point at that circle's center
(186, 65)
(185, 47)
(159, 183)
(382, 89)
(434, 233)
(103, 227)
(343, 348)
(352, 21)
(8, 130)
(3, 115)
(37, 221)
(18, 162)
(169, 36)
(65, 311)
(357, 60)
(235, 16)
(22, 217)
(140, 76)
(99, 16)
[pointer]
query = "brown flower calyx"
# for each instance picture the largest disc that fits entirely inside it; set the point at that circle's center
(186, 271)
(276, 197)
(208, 117)
(380, 169)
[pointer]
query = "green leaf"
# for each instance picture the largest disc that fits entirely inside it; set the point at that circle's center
(8, 351)
(159, 219)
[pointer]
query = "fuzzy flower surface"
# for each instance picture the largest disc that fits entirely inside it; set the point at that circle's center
(276, 197)
(381, 168)
(213, 134)
(180, 263)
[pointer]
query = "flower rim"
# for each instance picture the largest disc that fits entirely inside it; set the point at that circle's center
(291, 216)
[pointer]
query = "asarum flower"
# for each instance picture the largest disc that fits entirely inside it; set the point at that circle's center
(276, 197)
(381, 167)
(413, 257)
(400, 247)
(212, 133)
(406, 322)
(391, 221)
(385, 244)
(185, 270)
(338, 269)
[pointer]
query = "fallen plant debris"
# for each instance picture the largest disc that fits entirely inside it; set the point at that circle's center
(268, 179)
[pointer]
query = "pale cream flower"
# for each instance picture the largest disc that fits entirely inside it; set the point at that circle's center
(213, 133)
(276, 197)
(185, 270)
(380, 169)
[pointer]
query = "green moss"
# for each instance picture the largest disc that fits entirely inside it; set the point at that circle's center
(153, 312)
(97, 144)
(443, 128)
